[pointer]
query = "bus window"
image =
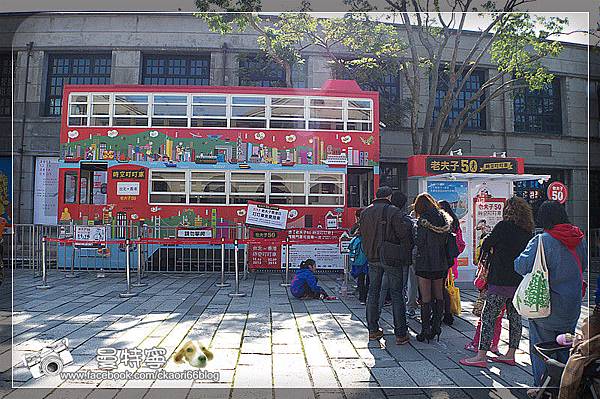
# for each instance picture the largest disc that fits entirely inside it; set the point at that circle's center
(287, 188)
(92, 183)
(248, 112)
(167, 187)
(207, 188)
(209, 111)
(247, 187)
(130, 110)
(70, 188)
(326, 189)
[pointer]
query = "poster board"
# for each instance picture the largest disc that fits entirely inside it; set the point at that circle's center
(266, 216)
(457, 194)
(90, 236)
(45, 193)
(266, 251)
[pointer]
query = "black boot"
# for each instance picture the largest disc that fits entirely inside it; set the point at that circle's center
(436, 319)
(425, 322)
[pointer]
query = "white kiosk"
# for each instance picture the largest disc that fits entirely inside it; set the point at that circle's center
(475, 187)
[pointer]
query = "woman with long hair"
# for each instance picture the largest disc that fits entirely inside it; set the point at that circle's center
(431, 266)
(565, 251)
(506, 241)
(460, 243)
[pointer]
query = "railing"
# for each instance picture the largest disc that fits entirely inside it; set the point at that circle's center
(133, 248)
(23, 245)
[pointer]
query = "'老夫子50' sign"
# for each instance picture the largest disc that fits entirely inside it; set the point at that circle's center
(438, 165)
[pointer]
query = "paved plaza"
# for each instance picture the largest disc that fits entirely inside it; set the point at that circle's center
(266, 339)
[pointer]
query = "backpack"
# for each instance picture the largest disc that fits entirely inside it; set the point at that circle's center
(357, 254)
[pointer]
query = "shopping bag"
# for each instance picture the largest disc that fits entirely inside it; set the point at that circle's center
(532, 298)
(454, 295)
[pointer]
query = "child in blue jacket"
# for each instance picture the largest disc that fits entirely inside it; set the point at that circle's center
(360, 267)
(304, 284)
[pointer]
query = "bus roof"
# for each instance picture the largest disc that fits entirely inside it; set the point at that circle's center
(331, 87)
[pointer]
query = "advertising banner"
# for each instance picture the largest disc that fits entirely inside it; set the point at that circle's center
(90, 234)
(45, 193)
(264, 256)
(457, 194)
(487, 212)
(268, 216)
(272, 254)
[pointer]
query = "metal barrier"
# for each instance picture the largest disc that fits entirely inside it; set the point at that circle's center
(24, 249)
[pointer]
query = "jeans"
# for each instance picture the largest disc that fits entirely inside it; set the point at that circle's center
(537, 334)
(363, 286)
(411, 286)
(385, 287)
(376, 270)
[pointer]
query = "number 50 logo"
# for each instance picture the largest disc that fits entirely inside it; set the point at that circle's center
(557, 192)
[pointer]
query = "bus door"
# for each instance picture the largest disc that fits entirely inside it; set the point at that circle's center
(360, 187)
(93, 179)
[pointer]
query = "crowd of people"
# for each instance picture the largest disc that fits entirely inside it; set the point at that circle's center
(408, 256)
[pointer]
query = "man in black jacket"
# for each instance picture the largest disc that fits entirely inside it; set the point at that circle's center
(379, 222)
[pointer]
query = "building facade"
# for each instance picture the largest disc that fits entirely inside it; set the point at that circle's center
(548, 128)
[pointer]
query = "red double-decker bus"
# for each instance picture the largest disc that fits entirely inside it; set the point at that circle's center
(196, 155)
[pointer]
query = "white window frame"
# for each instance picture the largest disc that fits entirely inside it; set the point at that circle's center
(306, 175)
(148, 109)
(152, 104)
(190, 179)
(284, 195)
(310, 180)
(228, 110)
(231, 194)
(266, 105)
(88, 110)
(227, 105)
(110, 109)
(185, 192)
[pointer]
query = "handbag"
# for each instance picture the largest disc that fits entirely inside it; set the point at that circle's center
(389, 252)
(532, 298)
(452, 251)
(480, 281)
(454, 295)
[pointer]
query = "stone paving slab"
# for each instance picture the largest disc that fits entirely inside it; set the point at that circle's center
(266, 339)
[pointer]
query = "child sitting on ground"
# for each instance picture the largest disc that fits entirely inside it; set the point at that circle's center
(304, 284)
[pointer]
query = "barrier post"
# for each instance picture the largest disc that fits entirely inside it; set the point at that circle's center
(44, 285)
(222, 283)
(72, 274)
(128, 293)
(286, 283)
(139, 265)
(237, 292)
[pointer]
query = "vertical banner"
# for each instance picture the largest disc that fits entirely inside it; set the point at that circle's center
(487, 212)
(45, 210)
(456, 193)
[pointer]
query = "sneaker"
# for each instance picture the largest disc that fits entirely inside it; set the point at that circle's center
(411, 313)
(373, 336)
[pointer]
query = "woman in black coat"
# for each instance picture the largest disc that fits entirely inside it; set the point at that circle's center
(504, 244)
(431, 265)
